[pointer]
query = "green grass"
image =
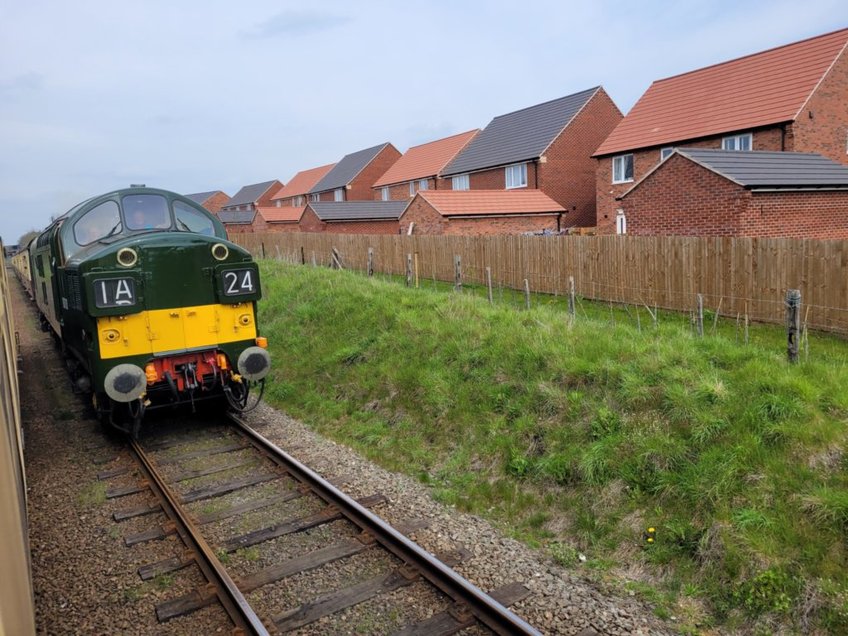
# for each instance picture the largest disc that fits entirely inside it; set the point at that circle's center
(577, 436)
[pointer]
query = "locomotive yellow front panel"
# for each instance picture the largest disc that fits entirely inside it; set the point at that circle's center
(177, 329)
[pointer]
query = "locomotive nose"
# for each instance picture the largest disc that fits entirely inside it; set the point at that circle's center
(125, 382)
(254, 363)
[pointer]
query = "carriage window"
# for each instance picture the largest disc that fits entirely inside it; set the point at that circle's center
(191, 220)
(146, 212)
(98, 223)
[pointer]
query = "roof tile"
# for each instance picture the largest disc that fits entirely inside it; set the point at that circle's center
(250, 193)
(284, 214)
(488, 202)
(757, 90)
(346, 170)
(426, 160)
(302, 182)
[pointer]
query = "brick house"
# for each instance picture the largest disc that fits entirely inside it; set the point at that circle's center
(546, 147)
(252, 196)
(790, 98)
(418, 168)
(278, 219)
(731, 193)
(294, 193)
(352, 177)
(476, 212)
(211, 201)
(352, 217)
(237, 221)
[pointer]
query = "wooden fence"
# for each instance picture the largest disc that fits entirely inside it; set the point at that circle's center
(736, 276)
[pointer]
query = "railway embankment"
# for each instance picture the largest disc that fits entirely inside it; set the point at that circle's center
(707, 476)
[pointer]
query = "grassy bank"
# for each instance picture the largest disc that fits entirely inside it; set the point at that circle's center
(580, 438)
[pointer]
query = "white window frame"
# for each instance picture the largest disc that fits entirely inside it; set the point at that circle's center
(412, 188)
(384, 193)
(279, 203)
(338, 194)
(422, 184)
(619, 168)
(665, 153)
(736, 140)
(315, 197)
(620, 222)
(516, 176)
(297, 201)
(460, 182)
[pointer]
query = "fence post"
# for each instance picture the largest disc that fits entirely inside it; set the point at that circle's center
(302, 256)
(700, 316)
(336, 259)
(262, 244)
(409, 270)
(416, 269)
(527, 293)
(457, 273)
(571, 302)
(793, 323)
(489, 282)
(370, 262)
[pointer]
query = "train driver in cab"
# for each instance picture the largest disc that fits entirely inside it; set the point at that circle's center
(144, 214)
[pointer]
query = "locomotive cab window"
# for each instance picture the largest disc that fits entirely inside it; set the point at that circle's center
(97, 223)
(146, 212)
(190, 220)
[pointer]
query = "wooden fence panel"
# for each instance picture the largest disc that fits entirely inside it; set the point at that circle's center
(741, 275)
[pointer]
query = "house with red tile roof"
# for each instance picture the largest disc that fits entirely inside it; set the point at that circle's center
(351, 178)
(213, 200)
(294, 193)
(546, 147)
(419, 166)
(710, 192)
(789, 98)
(278, 219)
(477, 212)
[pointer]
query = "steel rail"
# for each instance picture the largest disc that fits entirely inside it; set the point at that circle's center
(486, 609)
(235, 604)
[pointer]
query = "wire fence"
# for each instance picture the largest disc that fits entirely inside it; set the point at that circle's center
(735, 277)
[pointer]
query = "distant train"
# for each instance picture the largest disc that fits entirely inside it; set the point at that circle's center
(152, 305)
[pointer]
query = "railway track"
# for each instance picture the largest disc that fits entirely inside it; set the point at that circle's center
(347, 528)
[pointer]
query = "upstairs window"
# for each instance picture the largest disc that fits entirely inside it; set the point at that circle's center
(422, 184)
(315, 197)
(622, 168)
(297, 201)
(665, 153)
(279, 203)
(338, 194)
(516, 176)
(460, 182)
(738, 142)
(384, 193)
(412, 188)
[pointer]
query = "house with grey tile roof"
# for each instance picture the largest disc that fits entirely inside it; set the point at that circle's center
(547, 147)
(710, 192)
(252, 196)
(237, 221)
(353, 217)
(212, 200)
(353, 176)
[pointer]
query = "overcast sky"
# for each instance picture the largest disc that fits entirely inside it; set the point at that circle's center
(197, 96)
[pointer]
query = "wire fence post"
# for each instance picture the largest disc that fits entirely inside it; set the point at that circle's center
(370, 266)
(571, 296)
(416, 270)
(489, 283)
(793, 323)
(457, 273)
(700, 322)
(527, 293)
(409, 270)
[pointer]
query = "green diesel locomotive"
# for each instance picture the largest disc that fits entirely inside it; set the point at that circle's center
(152, 305)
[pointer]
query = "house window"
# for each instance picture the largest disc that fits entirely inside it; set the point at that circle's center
(279, 203)
(460, 182)
(516, 176)
(622, 168)
(620, 222)
(665, 153)
(297, 201)
(338, 194)
(315, 197)
(412, 188)
(384, 193)
(738, 142)
(422, 184)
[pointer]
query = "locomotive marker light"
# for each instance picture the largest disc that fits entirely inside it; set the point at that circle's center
(127, 257)
(254, 363)
(125, 382)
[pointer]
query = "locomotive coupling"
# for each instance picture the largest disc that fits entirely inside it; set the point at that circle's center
(254, 363)
(125, 382)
